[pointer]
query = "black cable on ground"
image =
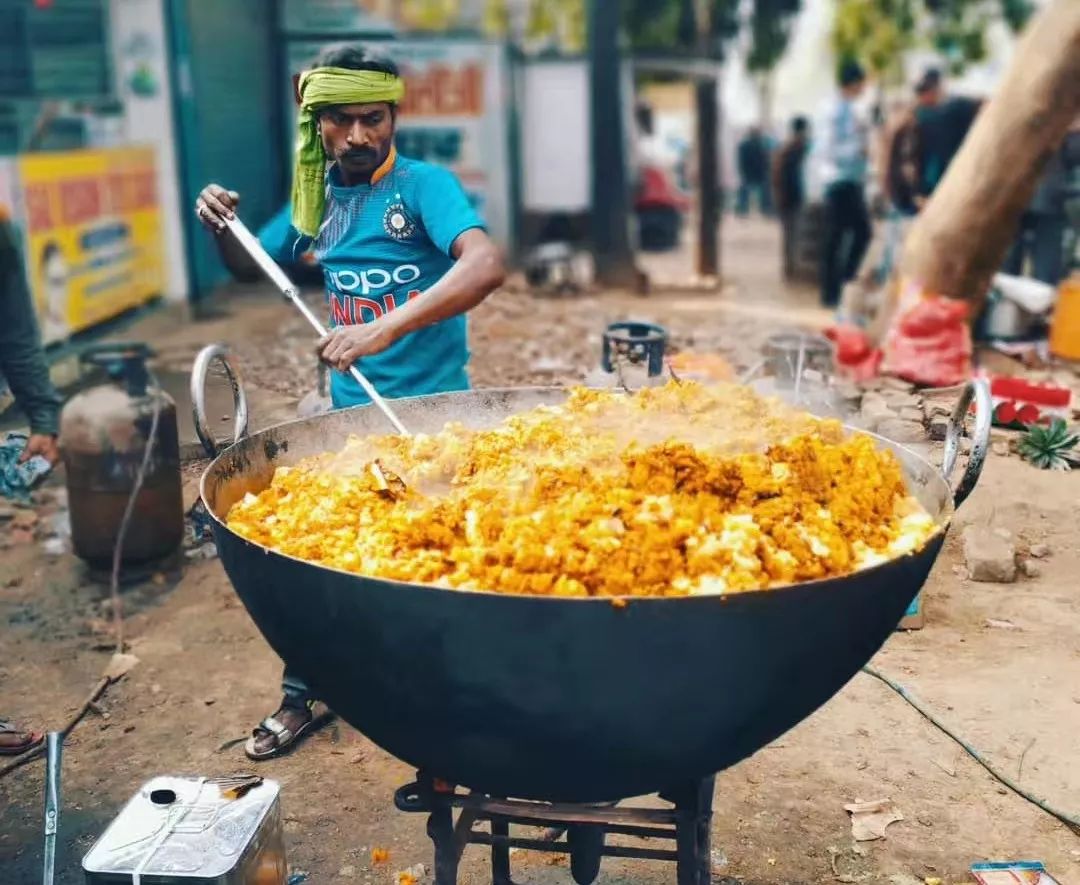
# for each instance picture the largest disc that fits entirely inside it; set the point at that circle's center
(1069, 820)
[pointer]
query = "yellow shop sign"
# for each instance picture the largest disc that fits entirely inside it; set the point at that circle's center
(93, 235)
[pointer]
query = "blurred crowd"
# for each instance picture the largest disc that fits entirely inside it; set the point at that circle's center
(869, 169)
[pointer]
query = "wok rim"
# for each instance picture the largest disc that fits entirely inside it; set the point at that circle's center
(942, 520)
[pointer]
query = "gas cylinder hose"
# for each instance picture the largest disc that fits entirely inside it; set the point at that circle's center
(129, 510)
(1070, 820)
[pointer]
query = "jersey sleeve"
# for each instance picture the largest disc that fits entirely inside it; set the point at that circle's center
(445, 210)
(283, 242)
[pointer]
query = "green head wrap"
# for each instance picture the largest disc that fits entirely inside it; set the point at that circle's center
(320, 88)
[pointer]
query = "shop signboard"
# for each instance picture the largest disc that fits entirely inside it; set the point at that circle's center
(337, 16)
(454, 114)
(92, 234)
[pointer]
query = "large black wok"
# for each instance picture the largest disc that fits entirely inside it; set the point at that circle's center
(558, 699)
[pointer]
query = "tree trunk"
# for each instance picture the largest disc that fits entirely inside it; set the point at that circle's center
(610, 216)
(766, 87)
(709, 210)
(963, 233)
(707, 119)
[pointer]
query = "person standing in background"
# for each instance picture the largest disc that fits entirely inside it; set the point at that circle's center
(942, 123)
(753, 168)
(899, 162)
(789, 189)
(22, 360)
(23, 368)
(1041, 236)
(842, 153)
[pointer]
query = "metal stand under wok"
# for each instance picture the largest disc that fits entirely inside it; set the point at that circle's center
(687, 824)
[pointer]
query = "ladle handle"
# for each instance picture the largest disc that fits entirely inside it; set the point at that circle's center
(207, 356)
(279, 278)
(977, 391)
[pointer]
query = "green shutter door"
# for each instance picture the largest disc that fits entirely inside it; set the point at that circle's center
(228, 106)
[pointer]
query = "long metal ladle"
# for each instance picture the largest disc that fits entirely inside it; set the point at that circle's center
(280, 279)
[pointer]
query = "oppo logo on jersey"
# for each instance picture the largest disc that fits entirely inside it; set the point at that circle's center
(353, 310)
(373, 279)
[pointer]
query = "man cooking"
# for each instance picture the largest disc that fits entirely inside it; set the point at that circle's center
(403, 253)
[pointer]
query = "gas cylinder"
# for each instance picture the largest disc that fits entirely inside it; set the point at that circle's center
(104, 435)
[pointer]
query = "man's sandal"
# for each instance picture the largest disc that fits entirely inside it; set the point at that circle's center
(283, 737)
(14, 741)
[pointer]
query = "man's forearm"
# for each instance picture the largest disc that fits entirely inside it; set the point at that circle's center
(475, 276)
(27, 374)
(22, 361)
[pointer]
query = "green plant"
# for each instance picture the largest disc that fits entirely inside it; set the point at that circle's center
(879, 33)
(1048, 447)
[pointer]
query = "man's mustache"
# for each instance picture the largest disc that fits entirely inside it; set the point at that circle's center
(359, 155)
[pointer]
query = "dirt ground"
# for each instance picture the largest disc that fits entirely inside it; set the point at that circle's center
(999, 663)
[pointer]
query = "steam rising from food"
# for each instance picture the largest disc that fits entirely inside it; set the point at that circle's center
(671, 491)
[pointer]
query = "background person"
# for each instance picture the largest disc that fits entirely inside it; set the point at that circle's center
(753, 168)
(789, 189)
(23, 367)
(942, 122)
(843, 154)
(1039, 248)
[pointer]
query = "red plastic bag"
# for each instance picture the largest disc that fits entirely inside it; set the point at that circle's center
(658, 191)
(855, 357)
(929, 342)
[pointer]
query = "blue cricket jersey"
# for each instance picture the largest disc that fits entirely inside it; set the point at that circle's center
(381, 245)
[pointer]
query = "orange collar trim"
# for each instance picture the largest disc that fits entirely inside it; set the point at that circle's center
(386, 166)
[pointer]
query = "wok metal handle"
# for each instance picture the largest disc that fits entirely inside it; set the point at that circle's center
(207, 356)
(278, 277)
(977, 391)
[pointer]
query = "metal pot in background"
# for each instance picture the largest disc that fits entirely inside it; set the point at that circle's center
(1006, 320)
(797, 368)
(1016, 309)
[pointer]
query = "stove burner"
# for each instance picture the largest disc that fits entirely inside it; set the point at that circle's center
(687, 824)
(634, 343)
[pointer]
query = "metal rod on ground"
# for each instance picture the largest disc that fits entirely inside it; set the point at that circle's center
(280, 279)
(55, 753)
